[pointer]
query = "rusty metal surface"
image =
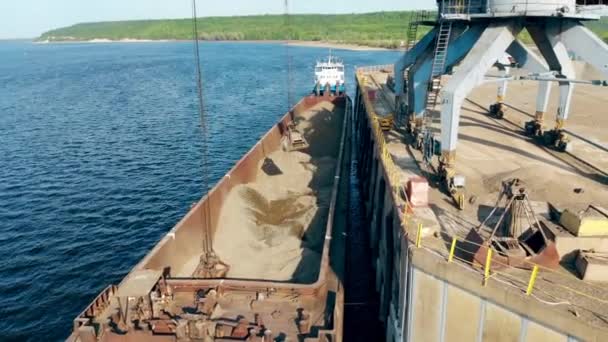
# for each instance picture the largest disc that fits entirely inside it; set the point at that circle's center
(305, 310)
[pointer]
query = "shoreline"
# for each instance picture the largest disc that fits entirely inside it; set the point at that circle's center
(297, 43)
(343, 46)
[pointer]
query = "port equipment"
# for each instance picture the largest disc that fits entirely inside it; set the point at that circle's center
(504, 64)
(517, 238)
(211, 265)
(385, 122)
(468, 38)
(296, 140)
(417, 19)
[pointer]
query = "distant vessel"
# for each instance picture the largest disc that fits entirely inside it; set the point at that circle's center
(329, 76)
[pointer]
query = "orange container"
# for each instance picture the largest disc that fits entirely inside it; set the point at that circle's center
(418, 192)
(372, 95)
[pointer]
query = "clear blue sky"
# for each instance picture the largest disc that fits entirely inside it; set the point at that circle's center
(29, 18)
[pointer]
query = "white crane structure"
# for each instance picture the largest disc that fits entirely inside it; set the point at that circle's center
(470, 36)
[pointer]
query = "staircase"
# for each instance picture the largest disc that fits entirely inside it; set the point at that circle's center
(412, 38)
(441, 51)
(412, 29)
(425, 140)
(412, 32)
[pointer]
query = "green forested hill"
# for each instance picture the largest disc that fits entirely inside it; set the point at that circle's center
(384, 29)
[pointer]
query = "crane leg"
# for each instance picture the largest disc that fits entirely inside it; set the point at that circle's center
(405, 62)
(554, 50)
(528, 60)
(492, 44)
(498, 109)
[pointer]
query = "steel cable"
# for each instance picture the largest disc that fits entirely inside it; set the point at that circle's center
(205, 212)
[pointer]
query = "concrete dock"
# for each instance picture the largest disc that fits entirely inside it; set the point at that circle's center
(428, 296)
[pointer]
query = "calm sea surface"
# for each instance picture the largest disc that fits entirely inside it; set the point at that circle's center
(100, 156)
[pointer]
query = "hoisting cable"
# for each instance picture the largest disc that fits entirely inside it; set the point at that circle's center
(203, 121)
(210, 265)
(287, 24)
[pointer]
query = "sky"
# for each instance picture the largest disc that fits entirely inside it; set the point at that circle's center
(30, 18)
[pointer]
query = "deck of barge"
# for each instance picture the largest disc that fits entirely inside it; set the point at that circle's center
(490, 151)
(276, 219)
(273, 227)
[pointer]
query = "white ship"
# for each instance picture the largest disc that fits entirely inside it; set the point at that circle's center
(329, 76)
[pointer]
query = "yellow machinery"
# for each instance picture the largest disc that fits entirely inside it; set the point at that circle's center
(385, 122)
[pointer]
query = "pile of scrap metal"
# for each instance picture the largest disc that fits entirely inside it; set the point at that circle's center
(521, 241)
(158, 314)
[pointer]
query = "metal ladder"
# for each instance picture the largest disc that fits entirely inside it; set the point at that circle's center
(441, 51)
(412, 33)
(412, 29)
(424, 139)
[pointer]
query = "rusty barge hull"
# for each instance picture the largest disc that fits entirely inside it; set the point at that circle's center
(159, 301)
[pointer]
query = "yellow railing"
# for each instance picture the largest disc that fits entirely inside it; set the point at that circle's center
(391, 169)
(527, 286)
(409, 220)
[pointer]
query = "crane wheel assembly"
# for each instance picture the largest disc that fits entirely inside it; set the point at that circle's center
(555, 138)
(497, 110)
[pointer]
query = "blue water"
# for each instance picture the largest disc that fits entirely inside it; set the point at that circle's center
(100, 155)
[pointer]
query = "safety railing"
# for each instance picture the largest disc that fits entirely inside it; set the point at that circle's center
(591, 2)
(461, 8)
(101, 302)
(492, 269)
(595, 7)
(377, 68)
(391, 169)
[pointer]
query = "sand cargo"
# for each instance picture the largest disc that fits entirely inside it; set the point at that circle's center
(275, 235)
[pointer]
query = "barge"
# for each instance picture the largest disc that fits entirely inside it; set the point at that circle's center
(275, 268)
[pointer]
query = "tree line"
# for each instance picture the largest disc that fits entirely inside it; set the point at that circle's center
(381, 29)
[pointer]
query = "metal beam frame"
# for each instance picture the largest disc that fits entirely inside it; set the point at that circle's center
(504, 85)
(420, 73)
(556, 54)
(530, 61)
(586, 45)
(410, 58)
(492, 44)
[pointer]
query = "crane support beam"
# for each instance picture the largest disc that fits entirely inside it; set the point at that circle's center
(490, 46)
(421, 71)
(586, 45)
(528, 60)
(504, 85)
(556, 54)
(410, 58)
